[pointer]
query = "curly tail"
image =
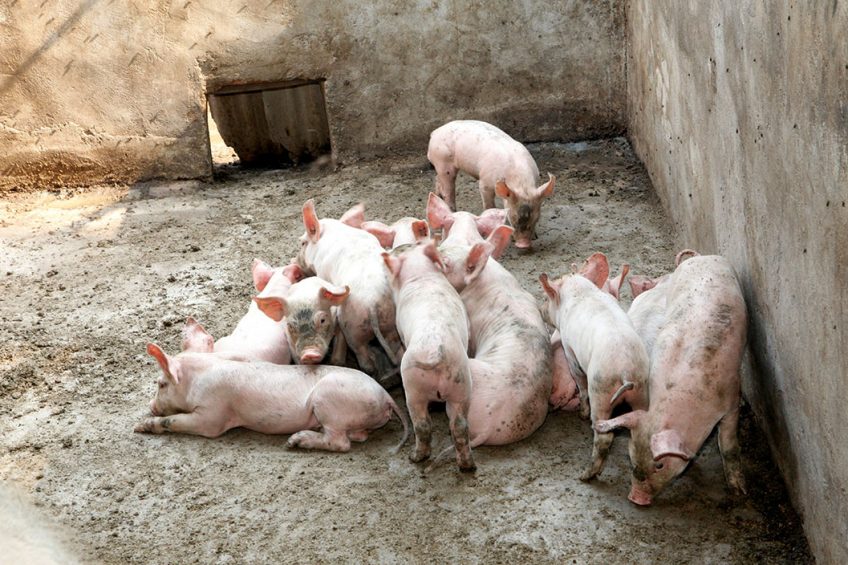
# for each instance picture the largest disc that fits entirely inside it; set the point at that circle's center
(447, 452)
(403, 420)
(375, 327)
(625, 386)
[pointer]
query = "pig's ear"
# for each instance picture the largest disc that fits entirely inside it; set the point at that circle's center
(551, 290)
(393, 264)
(639, 284)
(293, 272)
(384, 234)
(615, 284)
(355, 216)
(311, 222)
(489, 220)
(334, 294)
(167, 364)
(274, 307)
(476, 261)
(683, 255)
(438, 212)
(431, 253)
(596, 269)
(499, 240)
(548, 188)
(262, 273)
(502, 190)
(668, 442)
(629, 420)
(196, 338)
(420, 230)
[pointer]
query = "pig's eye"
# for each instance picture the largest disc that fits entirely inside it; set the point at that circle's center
(162, 384)
(322, 320)
(659, 466)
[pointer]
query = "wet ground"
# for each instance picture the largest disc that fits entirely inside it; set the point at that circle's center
(87, 279)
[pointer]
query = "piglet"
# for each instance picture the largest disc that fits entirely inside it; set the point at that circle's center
(465, 228)
(255, 337)
(605, 353)
(203, 394)
(694, 379)
(402, 232)
(502, 166)
(434, 327)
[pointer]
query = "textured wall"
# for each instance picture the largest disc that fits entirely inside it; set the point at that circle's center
(95, 90)
(739, 111)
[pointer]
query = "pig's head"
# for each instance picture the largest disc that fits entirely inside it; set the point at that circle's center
(310, 314)
(402, 232)
(309, 240)
(195, 338)
(683, 255)
(552, 289)
(355, 216)
(658, 455)
(523, 208)
(464, 264)
(640, 283)
(172, 384)
(613, 286)
(462, 227)
(264, 274)
(412, 260)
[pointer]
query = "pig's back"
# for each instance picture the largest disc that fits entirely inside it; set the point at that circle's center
(473, 145)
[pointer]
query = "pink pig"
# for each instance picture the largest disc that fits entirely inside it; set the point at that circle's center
(204, 394)
(464, 227)
(344, 255)
(694, 379)
(434, 326)
(255, 337)
(605, 354)
(502, 166)
(403, 232)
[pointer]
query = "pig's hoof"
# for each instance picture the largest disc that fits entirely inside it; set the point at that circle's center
(468, 468)
(588, 475)
(142, 427)
(419, 457)
(293, 442)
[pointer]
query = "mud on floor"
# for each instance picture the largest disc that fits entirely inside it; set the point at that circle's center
(87, 280)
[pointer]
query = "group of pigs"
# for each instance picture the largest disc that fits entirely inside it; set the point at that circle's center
(446, 319)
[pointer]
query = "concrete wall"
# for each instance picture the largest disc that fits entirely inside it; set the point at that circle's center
(740, 113)
(94, 90)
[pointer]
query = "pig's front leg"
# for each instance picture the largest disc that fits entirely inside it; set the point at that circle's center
(191, 423)
(487, 193)
(602, 441)
(728, 445)
(457, 414)
(421, 425)
(329, 440)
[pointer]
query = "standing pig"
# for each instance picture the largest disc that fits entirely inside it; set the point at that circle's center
(694, 380)
(256, 337)
(310, 310)
(403, 232)
(434, 326)
(203, 394)
(500, 164)
(347, 256)
(464, 227)
(604, 351)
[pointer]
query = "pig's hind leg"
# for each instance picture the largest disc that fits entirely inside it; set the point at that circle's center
(328, 440)
(602, 441)
(190, 423)
(728, 445)
(458, 418)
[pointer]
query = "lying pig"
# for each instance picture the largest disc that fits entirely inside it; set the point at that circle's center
(403, 232)
(500, 164)
(203, 394)
(511, 368)
(310, 310)
(344, 255)
(434, 326)
(255, 337)
(470, 229)
(694, 379)
(606, 355)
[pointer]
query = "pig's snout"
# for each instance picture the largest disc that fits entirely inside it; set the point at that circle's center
(639, 497)
(311, 356)
(153, 408)
(523, 243)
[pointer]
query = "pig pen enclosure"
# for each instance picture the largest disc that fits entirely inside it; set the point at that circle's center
(90, 278)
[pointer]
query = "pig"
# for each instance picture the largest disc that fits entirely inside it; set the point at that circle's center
(470, 229)
(694, 380)
(605, 353)
(511, 369)
(613, 286)
(434, 327)
(204, 394)
(344, 255)
(502, 166)
(310, 312)
(403, 232)
(256, 337)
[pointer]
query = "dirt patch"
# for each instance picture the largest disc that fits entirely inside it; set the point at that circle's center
(88, 279)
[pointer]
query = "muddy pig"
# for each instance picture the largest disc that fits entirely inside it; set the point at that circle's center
(604, 352)
(203, 394)
(256, 337)
(309, 309)
(694, 380)
(502, 166)
(434, 327)
(347, 256)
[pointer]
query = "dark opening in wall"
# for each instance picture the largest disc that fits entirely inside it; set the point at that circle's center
(270, 124)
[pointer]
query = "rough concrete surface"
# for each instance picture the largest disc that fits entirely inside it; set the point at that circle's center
(98, 91)
(739, 113)
(88, 279)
